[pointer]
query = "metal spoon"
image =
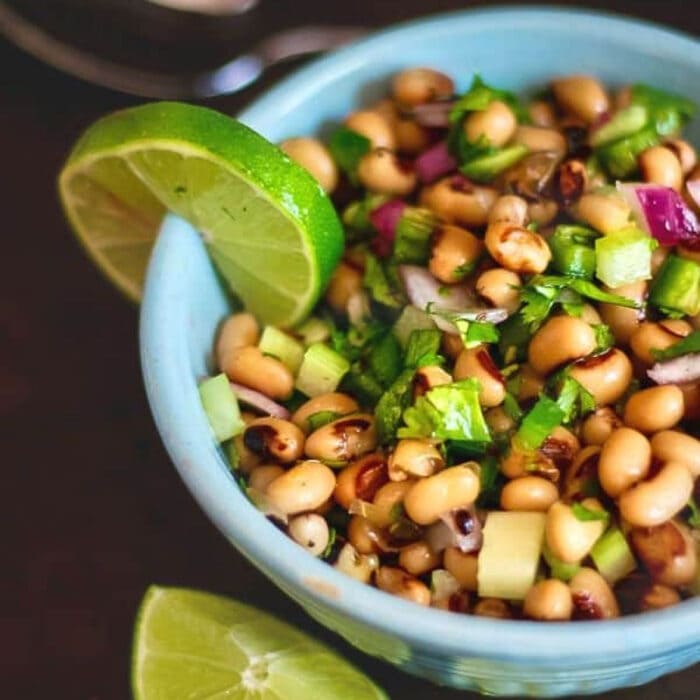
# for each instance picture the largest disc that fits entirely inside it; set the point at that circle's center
(231, 77)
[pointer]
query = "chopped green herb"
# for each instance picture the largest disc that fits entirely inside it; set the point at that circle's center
(423, 346)
(689, 344)
(347, 148)
(512, 407)
(356, 214)
(384, 359)
(411, 318)
(694, 517)
(332, 536)
(486, 167)
(376, 281)
(447, 412)
(667, 112)
(362, 384)
(574, 400)
(620, 157)
(539, 422)
(624, 123)
(318, 420)
(412, 241)
(585, 514)
(391, 405)
(491, 482)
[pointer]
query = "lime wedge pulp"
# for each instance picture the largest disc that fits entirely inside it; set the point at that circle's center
(271, 230)
(189, 644)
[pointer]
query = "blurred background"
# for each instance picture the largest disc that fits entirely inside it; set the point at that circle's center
(93, 512)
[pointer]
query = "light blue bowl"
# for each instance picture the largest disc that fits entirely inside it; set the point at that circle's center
(184, 302)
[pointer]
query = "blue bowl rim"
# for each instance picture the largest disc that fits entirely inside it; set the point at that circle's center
(633, 637)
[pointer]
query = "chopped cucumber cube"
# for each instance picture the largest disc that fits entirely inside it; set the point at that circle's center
(221, 407)
(677, 286)
(282, 346)
(624, 256)
(313, 330)
(411, 319)
(612, 556)
(321, 370)
(510, 554)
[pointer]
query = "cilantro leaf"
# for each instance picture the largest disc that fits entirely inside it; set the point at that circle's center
(694, 518)
(320, 418)
(542, 418)
(574, 400)
(391, 405)
(689, 344)
(423, 345)
(377, 282)
(585, 514)
(347, 148)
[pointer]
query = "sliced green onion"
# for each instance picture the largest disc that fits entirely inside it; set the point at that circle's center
(586, 515)
(282, 346)
(620, 158)
(321, 370)
(318, 420)
(676, 286)
(356, 214)
(542, 418)
(486, 167)
(624, 256)
(412, 242)
(558, 568)
(668, 112)
(689, 344)
(221, 407)
(572, 250)
(624, 123)
(612, 556)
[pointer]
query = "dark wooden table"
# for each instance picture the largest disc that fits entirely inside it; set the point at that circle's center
(93, 511)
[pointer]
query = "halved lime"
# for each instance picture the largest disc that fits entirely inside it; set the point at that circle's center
(189, 644)
(269, 227)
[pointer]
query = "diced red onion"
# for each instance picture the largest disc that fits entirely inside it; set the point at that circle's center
(679, 370)
(693, 187)
(661, 212)
(434, 115)
(257, 400)
(385, 218)
(434, 163)
(449, 531)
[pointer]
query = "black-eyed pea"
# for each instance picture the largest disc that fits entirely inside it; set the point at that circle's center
(411, 137)
(590, 315)
(549, 600)
(381, 171)
(463, 566)
(598, 426)
(530, 382)
(542, 114)
(516, 248)
(660, 165)
(454, 253)
(313, 156)
(451, 344)
(262, 476)
(657, 336)
(310, 530)
(364, 535)
(248, 366)
(592, 596)
(457, 602)
(361, 479)
(373, 126)
(477, 363)
(581, 95)
(606, 376)
(624, 321)
(569, 538)
(498, 420)
(654, 409)
(387, 499)
(510, 208)
(415, 86)
(428, 377)
(237, 331)
(658, 596)
(684, 152)
(658, 499)
(457, 201)
(345, 283)
(418, 558)
(529, 493)
(582, 475)
(537, 138)
(675, 446)
(500, 287)
(427, 499)
(605, 212)
(496, 123)
(542, 211)
(333, 403)
(570, 181)
(625, 459)
(691, 399)
(274, 438)
(493, 607)
(623, 97)
(400, 583)
(356, 565)
(414, 457)
(343, 439)
(245, 460)
(560, 340)
(304, 487)
(667, 551)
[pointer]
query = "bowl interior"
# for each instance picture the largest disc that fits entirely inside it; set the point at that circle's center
(183, 303)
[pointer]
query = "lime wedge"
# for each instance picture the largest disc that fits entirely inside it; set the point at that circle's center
(189, 644)
(271, 230)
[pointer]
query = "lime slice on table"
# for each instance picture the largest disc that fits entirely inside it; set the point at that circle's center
(270, 229)
(189, 644)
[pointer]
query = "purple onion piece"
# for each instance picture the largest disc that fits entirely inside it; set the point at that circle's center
(662, 213)
(259, 401)
(679, 370)
(385, 218)
(434, 163)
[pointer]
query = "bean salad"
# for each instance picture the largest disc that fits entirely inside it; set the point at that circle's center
(494, 408)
